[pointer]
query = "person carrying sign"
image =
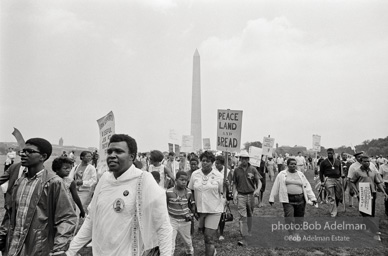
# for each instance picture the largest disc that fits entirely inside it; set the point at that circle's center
(371, 176)
(246, 185)
(330, 168)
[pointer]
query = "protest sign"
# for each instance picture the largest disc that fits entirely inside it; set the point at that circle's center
(206, 144)
(229, 124)
(365, 203)
(316, 143)
(170, 147)
(177, 150)
(187, 143)
(255, 155)
(173, 137)
(268, 145)
(106, 125)
(19, 138)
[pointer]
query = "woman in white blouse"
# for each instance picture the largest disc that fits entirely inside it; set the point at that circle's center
(85, 176)
(207, 184)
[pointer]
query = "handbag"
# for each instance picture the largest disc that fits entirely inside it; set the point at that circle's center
(227, 215)
(153, 252)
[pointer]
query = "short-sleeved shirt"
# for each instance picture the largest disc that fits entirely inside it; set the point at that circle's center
(384, 172)
(178, 206)
(370, 175)
(246, 180)
(207, 191)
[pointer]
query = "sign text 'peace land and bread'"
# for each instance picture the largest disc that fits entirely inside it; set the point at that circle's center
(229, 124)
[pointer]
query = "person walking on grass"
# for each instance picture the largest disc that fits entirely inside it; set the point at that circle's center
(181, 206)
(40, 218)
(128, 213)
(294, 191)
(330, 176)
(207, 184)
(246, 185)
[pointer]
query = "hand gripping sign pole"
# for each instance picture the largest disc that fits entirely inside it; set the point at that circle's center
(343, 187)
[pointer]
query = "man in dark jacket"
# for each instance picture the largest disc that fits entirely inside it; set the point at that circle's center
(39, 218)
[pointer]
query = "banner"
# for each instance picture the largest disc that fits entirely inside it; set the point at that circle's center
(255, 155)
(316, 143)
(187, 143)
(170, 147)
(19, 138)
(206, 144)
(268, 145)
(365, 204)
(229, 123)
(106, 124)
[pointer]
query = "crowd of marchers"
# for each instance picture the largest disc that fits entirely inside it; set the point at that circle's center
(144, 200)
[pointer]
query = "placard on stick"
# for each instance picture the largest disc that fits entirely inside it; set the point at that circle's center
(229, 124)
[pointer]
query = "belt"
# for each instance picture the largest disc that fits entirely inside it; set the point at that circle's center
(296, 195)
(244, 194)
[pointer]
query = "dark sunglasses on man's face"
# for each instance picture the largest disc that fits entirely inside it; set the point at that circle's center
(29, 151)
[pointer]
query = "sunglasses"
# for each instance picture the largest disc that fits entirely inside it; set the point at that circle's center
(29, 151)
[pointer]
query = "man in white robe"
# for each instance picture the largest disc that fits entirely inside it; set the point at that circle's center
(140, 223)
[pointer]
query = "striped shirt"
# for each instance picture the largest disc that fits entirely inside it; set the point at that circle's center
(178, 206)
(24, 194)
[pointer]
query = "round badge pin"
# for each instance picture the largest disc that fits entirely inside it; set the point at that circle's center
(126, 193)
(118, 205)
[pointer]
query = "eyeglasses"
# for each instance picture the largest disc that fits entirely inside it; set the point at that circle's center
(29, 151)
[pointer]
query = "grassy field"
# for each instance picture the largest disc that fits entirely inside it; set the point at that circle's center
(229, 245)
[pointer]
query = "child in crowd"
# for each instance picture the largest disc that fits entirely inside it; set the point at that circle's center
(179, 198)
(62, 167)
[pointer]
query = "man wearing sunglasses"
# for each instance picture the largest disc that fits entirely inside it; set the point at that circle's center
(39, 217)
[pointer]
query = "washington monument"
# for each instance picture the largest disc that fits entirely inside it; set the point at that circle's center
(196, 124)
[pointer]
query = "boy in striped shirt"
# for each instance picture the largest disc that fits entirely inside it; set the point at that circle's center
(179, 198)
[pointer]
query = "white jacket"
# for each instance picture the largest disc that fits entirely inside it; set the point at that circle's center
(89, 177)
(279, 188)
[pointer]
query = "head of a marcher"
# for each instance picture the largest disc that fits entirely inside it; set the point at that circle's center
(220, 161)
(344, 156)
(291, 165)
(171, 156)
(194, 162)
(181, 179)
(121, 153)
(244, 159)
(365, 161)
(62, 166)
(156, 157)
(35, 152)
(86, 157)
(358, 156)
(207, 159)
(182, 156)
(330, 153)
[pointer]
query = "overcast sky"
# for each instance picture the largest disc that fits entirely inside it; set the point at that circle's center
(295, 68)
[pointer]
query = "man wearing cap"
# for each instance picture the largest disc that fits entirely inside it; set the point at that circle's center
(246, 185)
(40, 218)
(330, 176)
